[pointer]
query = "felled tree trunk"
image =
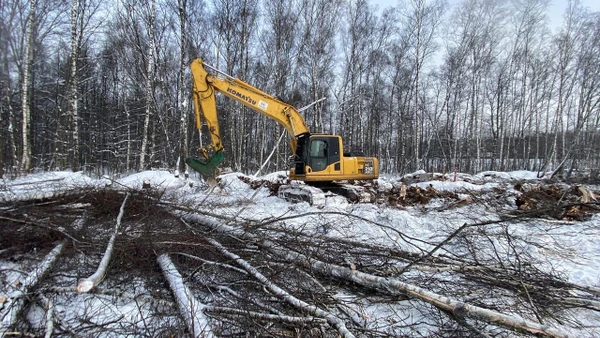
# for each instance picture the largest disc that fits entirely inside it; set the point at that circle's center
(393, 285)
(92, 281)
(279, 292)
(15, 301)
(190, 308)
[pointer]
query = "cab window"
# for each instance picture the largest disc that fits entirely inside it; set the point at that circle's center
(318, 155)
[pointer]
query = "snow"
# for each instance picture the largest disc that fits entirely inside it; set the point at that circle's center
(46, 184)
(575, 249)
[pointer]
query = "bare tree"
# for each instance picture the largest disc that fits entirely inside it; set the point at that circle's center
(356, 48)
(67, 144)
(182, 6)
(317, 50)
(234, 29)
(25, 86)
(422, 20)
(149, 84)
(7, 25)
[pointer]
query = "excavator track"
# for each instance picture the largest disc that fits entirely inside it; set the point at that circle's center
(316, 194)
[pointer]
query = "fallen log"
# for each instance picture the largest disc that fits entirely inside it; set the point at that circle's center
(92, 281)
(458, 308)
(279, 292)
(15, 300)
(392, 285)
(190, 308)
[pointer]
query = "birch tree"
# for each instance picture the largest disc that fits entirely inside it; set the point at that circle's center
(235, 30)
(422, 19)
(316, 62)
(182, 8)
(565, 43)
(25, 87)
(280, 41)
(356, 48)
(67, 149)
(7, 113)
(149, 84)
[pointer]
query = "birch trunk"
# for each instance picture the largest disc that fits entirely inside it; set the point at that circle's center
(190, 308)
(12, 148)
(15, 303)
(49, 315)
(89, 283)
(25, 101)
(73, 97)
(149, 81)
(183, 92)
(454, 306)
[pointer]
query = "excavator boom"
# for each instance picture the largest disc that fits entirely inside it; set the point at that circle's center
(204, 87)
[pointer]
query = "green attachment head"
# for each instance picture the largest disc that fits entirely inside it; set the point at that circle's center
(206, 167)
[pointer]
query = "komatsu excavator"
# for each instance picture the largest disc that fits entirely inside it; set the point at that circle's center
(317, 158)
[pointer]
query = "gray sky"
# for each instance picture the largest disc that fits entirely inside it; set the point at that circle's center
(555, 11)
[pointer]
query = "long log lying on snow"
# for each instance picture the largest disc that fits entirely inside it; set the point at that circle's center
(92, 281)
(384, 284)
(15, 302)
(191, 309)
(445, 303)
(279, 292)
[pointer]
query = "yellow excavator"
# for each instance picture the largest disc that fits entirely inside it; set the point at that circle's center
(317, 157)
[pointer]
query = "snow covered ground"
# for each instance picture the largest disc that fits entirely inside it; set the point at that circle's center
(569, 248)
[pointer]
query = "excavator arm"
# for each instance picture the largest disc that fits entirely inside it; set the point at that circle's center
(205, 86)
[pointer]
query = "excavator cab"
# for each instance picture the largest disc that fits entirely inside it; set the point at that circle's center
(323, 160)
(324, 151)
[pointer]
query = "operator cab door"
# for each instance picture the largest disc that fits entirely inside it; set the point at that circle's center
(324, 155)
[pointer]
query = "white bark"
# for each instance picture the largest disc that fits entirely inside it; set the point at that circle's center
(25, 104)
(184, 92)
(89, 283)
(73, 99)
(265, 316)
(149, 80)
(279, 292)
(271, 154)
(445, 303)
(15, 302)
(190, 308)
(49, 316)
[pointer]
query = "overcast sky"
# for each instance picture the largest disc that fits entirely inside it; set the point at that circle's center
(556, 10)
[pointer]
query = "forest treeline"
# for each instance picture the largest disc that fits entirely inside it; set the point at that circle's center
(478, 85)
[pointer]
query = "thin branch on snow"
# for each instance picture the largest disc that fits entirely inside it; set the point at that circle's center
(89, 283)
(223, 265)
(240, 296)
(265, 316)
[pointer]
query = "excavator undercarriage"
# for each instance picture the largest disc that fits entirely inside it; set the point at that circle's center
(319, 193)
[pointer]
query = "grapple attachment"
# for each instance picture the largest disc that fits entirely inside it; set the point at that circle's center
(206, 167)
